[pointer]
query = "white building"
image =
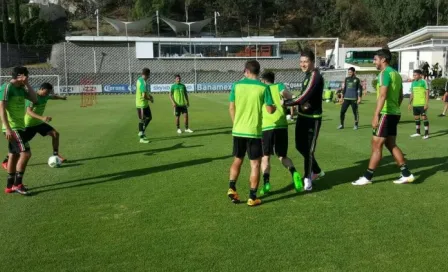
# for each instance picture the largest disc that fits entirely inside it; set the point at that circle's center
(342, 53)
(428, 44)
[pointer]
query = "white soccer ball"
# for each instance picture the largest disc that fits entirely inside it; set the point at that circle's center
(54, 162)
(288, 117)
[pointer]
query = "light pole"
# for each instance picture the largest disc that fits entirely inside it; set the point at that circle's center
(189, 33)
(97, 13)
(158, 24)
(438, 3)
(216, 23)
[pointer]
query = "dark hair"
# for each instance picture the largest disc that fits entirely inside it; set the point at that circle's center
(385, 54)
(352, 69)
(418, 71)
(46, 86)
(146, 71)
(268, 76)
(253, 66)
(309, 54)
(19, 70)
(177, 76)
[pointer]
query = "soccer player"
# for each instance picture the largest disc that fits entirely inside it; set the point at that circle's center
(179, 100)
(351, 96)
(445, 100)
(385, 119)
(35, 122)
(419, 101)
(12, 113)
(247, 98)
(275, 134)
(309, 118)
(141, 101)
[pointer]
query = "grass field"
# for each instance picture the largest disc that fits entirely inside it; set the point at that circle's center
(124, 206)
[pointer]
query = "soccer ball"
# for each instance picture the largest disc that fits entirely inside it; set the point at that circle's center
(288, 117)
(54, 162)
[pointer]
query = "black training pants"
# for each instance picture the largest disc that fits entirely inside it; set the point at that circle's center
(307, 131)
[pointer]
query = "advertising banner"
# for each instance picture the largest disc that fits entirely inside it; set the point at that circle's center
(160, 88)
(213, 87)
(74, 89)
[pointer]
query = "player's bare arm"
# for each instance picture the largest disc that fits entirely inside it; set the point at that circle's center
(31, 94)
(186, 98)
(427, 99)
(172, 99)
(411, 98)
(3, 115)
(286, 95)
(30, 112)
(232, 111)
(379, 105)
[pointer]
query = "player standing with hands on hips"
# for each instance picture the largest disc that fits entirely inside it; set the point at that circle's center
(12, 112)
(179, 100)
(418, 102)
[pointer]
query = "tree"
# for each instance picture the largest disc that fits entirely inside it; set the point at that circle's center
(17, 25)
(5, 23)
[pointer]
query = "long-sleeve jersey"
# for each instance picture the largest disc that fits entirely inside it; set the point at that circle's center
(311, 96)
(352, 88)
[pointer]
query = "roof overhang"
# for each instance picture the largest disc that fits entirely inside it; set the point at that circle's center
(422, 35)
(429, 45)
(246, 40)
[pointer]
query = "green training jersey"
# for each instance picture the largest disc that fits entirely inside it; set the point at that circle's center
(391, 79)
(249, 96)
(278, 118)
(38, 108)
(418, 90)
(15, 105)
(140, 101)
(179, 93)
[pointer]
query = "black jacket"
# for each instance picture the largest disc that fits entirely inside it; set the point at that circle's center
(352, 88)
(310, 100)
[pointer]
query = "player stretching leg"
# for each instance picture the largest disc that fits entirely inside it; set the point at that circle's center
(247, 98)
(385, 119)
(419, 100)
(179, 100)
(141, 101)
(12, 113)
(309, 119)
(275, 135)
(351, 96)
(35, 122)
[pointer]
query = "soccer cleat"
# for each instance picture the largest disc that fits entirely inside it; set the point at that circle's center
(404, 180)
(307, 184)
(62, 158)
(355, 128)
(266, 189)
(9, 191)
(233, 195)
(318, 176)
(253, 203)
(340, 127)
(426, 137)
(415, 135)
(189, 131)
(5, 165)
(361, 182)
(442, 115)
(21, 189)
(144, 141)
(298, 182)
(179, 131)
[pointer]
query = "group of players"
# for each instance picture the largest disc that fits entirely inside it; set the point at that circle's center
(258, 112)
(260, 125)
(20, 125)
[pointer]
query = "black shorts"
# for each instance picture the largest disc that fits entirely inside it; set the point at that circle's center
(19, 142)
(387, 126)
(144, 113)
(275, 140)
(178, 110)
(252, 146)
(419, 111)
(43, 129)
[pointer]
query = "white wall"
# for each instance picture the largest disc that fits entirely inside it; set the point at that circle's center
(406, 59)
(432, 57)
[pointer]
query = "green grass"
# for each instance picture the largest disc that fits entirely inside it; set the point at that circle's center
(123, 206)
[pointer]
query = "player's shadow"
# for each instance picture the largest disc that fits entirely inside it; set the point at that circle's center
(350, 174)
(147, 152)
(439, 133)
(226, 132)
(212, 129)
(122, 175)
